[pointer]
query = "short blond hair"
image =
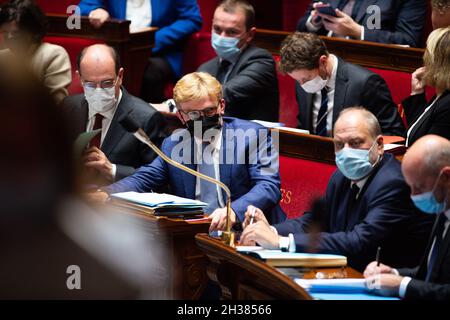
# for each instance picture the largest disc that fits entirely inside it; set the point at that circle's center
(196, 86)
(437, 59)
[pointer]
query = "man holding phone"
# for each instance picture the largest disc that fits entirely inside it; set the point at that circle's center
(400, 22)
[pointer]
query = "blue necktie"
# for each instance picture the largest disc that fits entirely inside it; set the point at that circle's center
(437, 244)
(208, 190)
(321, 125)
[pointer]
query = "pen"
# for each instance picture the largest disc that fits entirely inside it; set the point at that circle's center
(378, 256)
(252, 214)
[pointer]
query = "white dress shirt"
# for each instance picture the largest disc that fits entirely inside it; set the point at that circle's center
(216, 144)
(139, 12)
(106, 123)
(317, 99)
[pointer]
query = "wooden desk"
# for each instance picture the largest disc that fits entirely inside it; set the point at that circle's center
(187, 262)
(365, 53)
(134, 48)
(244, 277)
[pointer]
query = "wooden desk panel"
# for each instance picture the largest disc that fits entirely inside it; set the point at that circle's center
(244, 277)
(364, 53)
(187, 273)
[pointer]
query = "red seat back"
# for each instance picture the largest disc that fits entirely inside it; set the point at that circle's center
(302, 181)
(293, 10)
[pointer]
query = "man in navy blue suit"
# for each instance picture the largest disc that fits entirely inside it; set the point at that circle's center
(237, 152)
(401, 22)
(367, 205)
(426, 167)
(176, 20)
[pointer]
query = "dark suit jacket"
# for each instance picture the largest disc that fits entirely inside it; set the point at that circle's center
(251, 90)
(402, 21)
(438, 288)
(382, 216)
(435, 121)
(119, 146)
(250, 180)
(355, 86)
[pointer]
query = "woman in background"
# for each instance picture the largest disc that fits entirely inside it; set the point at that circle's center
(23, 25)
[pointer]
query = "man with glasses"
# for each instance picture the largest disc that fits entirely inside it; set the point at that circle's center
(237, 152)
(113, 154)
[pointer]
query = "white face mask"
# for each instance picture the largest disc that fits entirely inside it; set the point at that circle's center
(315, 85)
(100, 100)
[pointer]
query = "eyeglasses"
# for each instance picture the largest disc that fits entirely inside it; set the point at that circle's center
(105, 84)
(195, 115)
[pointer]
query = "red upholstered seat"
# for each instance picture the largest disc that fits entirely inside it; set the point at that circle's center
(52, 6)
(73, 46)
(293, 10)
(301, 182)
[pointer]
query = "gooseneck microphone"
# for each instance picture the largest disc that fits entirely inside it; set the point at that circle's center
(131, 126)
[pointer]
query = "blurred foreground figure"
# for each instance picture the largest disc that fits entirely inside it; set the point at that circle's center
(53, 246)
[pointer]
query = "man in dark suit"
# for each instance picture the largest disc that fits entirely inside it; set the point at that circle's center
(176, 20)
(113, 154)
(367, 205)
(426, 167)
(400, 22)
(237, 152)
(247, 73)
(327, 84)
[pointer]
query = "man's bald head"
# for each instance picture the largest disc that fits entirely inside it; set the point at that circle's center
(429, 155)
(99, 54)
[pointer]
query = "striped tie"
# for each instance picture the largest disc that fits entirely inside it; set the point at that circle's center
(321, 125)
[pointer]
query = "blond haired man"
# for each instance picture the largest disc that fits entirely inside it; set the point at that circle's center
(237, 152)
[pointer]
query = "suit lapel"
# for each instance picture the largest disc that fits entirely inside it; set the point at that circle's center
(441, 255)
(189, 180)
(363, 9)
(81, 117)
(115, 131)
(340, 90)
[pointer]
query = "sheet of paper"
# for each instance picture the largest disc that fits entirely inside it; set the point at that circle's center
(157, 199)
(333, 285)
(82, 142)
(248, 248)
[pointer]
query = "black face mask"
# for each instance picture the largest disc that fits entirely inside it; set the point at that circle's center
(213, 122)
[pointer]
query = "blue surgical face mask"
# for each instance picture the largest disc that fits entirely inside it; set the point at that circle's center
(225, 47)
(427, 202)
(355, 163)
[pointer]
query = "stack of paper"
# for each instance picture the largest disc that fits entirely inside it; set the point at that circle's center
(159, 203)
(277, 258)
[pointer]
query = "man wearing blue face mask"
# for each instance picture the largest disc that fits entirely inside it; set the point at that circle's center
(426, 167)
(326, 84)
(114, 153)
(367, 204)
(247, 73)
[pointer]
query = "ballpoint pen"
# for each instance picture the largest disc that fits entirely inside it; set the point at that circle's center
(378, 256)
(252, 214)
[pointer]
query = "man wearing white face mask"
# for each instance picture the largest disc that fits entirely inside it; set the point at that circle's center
(367, 204)
(113, 154)
(426, 167)
(247, 73)
(327, 84)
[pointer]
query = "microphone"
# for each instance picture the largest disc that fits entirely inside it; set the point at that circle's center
(131, 126)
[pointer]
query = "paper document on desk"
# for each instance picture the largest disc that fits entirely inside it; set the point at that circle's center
(333, 285)
(277, 258)
(157, 200)
(82, 142)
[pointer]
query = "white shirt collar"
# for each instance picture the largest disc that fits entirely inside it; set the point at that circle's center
(331, 83)
(447, 214)
(216, 142)
(110, 113)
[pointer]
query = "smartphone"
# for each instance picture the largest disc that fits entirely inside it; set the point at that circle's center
(327, 9)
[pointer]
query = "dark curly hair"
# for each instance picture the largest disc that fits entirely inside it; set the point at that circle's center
(301, 51)
(28, 16)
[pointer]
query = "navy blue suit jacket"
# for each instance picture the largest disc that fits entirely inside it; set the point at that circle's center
(250, 182)
(382, 216)
(176, 19)
(402, 21)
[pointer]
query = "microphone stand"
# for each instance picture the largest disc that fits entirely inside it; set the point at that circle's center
(228, 236)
